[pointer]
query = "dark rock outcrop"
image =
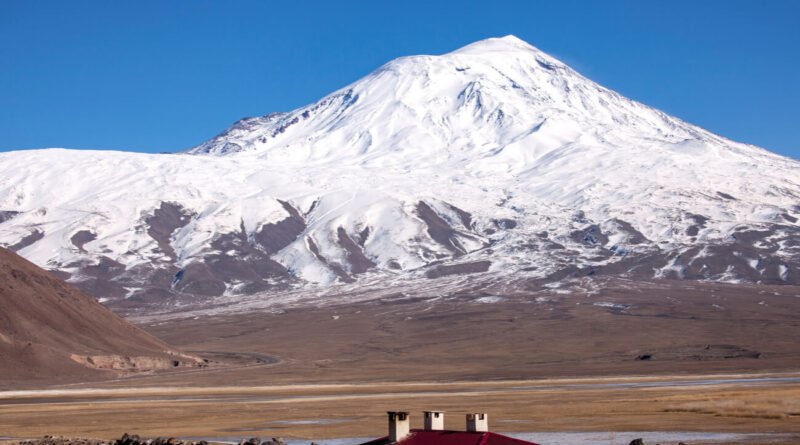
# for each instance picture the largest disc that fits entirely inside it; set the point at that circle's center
(6, 215)
(457, 269)
(439, 230)
(27, 240)
(273, 237)
(164, 221)
(81, 238)
(359, 263)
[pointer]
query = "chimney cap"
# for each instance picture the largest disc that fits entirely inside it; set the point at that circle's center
(433, 420)
(399, 425)
(477, 422)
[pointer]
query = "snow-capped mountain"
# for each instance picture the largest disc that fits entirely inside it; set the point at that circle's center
(494, 159)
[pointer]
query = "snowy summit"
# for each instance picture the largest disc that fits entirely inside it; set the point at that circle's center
(493, 160)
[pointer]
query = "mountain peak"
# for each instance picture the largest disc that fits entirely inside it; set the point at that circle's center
(509, 43)
(492, 159)
(470, 102)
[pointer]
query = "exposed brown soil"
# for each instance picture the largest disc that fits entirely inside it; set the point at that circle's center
(424, 346)
(50, 331)
(682, 327)
(319, 412)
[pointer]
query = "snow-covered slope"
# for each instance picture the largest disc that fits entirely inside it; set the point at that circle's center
(495, 159)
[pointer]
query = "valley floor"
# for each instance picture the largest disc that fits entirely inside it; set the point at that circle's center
(674, 357)
(620, 328)
(742, 404)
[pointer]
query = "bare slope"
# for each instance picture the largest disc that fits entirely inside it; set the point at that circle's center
(50, 330)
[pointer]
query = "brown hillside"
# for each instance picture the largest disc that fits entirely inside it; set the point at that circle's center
(50, 330)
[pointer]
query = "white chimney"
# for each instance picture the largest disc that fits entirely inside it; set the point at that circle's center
(399, 425)
(434, 420)
(478, 422)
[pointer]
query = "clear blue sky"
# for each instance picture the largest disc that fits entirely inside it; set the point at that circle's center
(166, 75)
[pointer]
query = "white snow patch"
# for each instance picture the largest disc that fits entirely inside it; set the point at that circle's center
(488, 299)
(498, 129)
(610, 305)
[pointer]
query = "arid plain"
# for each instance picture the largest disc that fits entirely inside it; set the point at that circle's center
(661, 356)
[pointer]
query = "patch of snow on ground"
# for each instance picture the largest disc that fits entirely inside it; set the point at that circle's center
(609, 305)
(488, 299)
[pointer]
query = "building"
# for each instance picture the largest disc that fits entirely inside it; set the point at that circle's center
(433, 433)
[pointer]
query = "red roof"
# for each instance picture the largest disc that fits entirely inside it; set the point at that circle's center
(422, 437)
